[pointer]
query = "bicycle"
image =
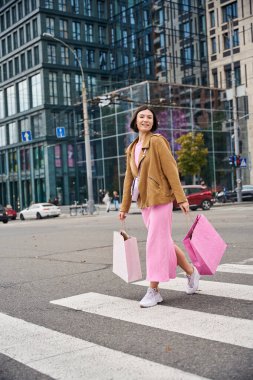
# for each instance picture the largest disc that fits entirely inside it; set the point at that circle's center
(96, 209)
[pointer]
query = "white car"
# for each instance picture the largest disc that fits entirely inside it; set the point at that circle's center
(39, 211)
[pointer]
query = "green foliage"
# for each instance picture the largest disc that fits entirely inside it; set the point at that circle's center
(192, 155)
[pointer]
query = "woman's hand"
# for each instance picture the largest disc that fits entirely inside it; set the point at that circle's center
(184, 207)
(122, 215)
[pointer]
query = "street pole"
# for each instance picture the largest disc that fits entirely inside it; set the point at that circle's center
(235, 115)
(86, 127)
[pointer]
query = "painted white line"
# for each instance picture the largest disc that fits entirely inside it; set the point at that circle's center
(61, 356)
(236, 268)
(211, 288)
(215, 327)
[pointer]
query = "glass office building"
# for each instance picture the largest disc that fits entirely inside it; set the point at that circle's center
(180, 109)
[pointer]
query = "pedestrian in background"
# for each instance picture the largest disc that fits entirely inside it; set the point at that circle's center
(115, 199)
(107, 201)
(150, 159)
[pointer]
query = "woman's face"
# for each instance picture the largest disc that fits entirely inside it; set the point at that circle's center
(144, 121)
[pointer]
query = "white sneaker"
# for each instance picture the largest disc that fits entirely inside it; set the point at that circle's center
(192, 282)
(151, 298)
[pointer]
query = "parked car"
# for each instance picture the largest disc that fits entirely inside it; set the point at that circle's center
(198, 197)
(3, 215)
(39, 211)
(12, 214)
(247, 194)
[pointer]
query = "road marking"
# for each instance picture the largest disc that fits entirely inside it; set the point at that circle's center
(61, 356)
(236, 268)
(211, 288)
(215, 327)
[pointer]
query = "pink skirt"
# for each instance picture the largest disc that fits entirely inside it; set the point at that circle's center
(161, 260)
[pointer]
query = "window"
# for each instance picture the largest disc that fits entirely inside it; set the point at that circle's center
(1, 104)
(215, 78)
(4, 71)
(20, 10)
(226, 39)
(78, 54)
(27, 7)
(3, 140)
(229, 11)
(51, 53)
(36, 122)
(49, 4)
(203, 50)
(66, 89)
(75, 6)
(91, 85)
(236, 41)
(13, 133)
(76, 30)
(14, 14)
(21, 36)
(237, 76)
(50, 25)
(29, 59)
(64, 55)
(202, 24)
(88, 32)
(15, 40)
(36, 90)
(23, 62)
(123, 14)
(3, 47)
(33, 4)
(9, 44)
(213, 45)
(36, 55)
(148, 43)
(103, 60)
(23, 96)
(90, 58)
(186, 29)
(11, 101)
(112, 61)
(101, 9)
(63, 28)
(212, 19)
(8, 19)
(28, 32)
(185, 5)
(78, 86)
(10, 64)
(16, 65)
(53, 95)
(87, 7)
(35, 28)
(2, 23)
(62, 5)
(187, 55)
(124, 38)
(112, 37)
(101, 34)
(228, 77)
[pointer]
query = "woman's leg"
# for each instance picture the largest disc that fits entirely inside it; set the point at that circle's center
(182, 262)
(154, 285)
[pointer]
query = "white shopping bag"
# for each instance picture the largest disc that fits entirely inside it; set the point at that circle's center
(126, 260)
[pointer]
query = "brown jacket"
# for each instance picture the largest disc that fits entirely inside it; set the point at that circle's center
(159, 179)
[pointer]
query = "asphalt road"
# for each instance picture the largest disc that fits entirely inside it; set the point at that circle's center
(103, 334)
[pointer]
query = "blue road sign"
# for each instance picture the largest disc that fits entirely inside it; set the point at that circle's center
(60, 132)
(26, 136)
(243, 163)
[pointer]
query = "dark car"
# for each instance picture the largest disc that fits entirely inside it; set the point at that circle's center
(247, 194)
(3, 215)
(198, 197)
(12, 214)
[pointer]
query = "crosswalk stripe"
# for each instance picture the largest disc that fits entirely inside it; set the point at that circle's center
(215, 327)
(61, 356)
(211, 288)
(236, 268)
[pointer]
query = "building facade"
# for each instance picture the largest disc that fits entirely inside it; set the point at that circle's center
(230, 45)
(118, 44)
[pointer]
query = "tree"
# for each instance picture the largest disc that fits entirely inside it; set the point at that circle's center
(192, 155)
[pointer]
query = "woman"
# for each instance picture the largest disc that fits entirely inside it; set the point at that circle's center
(107, 201)
(149, 157)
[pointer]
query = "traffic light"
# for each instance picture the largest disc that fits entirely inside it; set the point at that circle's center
(238, 161)
(232, 160)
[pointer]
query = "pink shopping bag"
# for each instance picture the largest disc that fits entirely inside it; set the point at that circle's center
(126, 260)
(204, 246)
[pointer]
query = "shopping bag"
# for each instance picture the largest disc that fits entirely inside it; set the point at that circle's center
(126, 260)
(204, 246)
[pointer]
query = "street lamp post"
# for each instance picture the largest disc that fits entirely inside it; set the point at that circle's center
(86, 127)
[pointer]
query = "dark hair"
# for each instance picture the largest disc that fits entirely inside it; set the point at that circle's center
(143, 108)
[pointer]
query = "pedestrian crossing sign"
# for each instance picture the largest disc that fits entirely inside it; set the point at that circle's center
(60, 132)
(26, 136)
(243, 163)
